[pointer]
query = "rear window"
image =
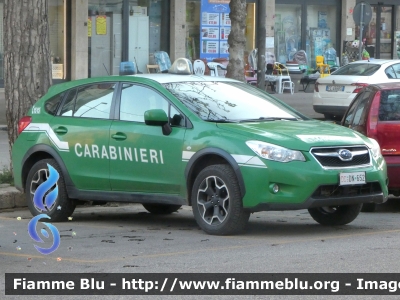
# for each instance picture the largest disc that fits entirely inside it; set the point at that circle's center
(389, 109)
(53, 103)
(361, 69)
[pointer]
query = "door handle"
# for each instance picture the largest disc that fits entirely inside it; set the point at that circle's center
(119, 136)
(61, 130)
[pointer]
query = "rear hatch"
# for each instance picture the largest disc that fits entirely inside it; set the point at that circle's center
(341, 86)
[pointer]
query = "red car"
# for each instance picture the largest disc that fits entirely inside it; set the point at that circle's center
(375, 112)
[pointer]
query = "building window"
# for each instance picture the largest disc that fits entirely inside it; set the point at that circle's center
(287, 31)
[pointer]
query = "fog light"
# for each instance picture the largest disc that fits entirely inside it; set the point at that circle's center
(274, 188)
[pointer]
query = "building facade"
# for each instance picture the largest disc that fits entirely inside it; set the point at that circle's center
(91, 37)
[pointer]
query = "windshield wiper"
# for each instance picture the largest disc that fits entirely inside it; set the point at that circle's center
(221, 121)
(268, 119)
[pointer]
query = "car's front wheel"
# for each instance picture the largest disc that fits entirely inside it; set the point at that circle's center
(44, 184)
(161, 209)
(217, 202)
(335, 215)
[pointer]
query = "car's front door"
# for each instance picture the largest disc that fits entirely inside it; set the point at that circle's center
(80, 133)
(142, 158)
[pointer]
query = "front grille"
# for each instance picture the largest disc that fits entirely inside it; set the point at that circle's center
(330, 158)
(336, 191)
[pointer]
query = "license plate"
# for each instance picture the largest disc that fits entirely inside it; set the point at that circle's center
(334, 88)
(352, 178)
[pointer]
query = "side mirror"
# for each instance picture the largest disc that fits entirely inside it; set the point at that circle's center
(158, 117)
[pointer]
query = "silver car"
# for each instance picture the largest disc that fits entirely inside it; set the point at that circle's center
(334, 93)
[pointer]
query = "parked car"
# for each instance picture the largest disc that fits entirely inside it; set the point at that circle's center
(166, 140)
(333, 94)
(375, 112)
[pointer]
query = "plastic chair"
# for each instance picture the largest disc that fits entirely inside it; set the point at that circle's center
(161, 58)
(214, 68)
(199, 67)
(324, 69)
(288, 85)
(154, 68)
(282, 75)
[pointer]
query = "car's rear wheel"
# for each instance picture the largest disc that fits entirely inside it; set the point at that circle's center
(161, 209)
(217, 202)
(335, 215)
(368, 207)
(39, 176)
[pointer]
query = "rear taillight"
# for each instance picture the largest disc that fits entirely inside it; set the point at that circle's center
(373, 116)
(23, 123)
(359, 86)
(316, 87)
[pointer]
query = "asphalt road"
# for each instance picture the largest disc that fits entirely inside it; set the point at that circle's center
(127, 239)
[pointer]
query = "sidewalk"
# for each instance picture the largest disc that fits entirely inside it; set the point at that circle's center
(10, 197)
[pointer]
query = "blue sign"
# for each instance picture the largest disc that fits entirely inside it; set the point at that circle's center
(39, 200)
(215, 26)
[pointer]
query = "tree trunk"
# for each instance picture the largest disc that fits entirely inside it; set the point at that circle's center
(27, 65)
(237, 39)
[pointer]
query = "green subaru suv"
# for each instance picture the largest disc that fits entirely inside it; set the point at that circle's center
(219, 145)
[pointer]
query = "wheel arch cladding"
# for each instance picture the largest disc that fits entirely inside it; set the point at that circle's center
(205, 158)
(40, 152)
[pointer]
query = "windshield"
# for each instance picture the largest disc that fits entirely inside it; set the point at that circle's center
(230, 102)
(361, 69)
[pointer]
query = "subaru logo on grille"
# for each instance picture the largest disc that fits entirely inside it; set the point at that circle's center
(345, 154)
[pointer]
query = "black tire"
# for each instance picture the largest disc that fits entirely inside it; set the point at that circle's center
(161, 209)
(63, 207)
(335, 215)
(217, 202)
(368, 207)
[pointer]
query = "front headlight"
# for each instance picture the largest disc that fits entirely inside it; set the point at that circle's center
(274, 152)
(375, 149)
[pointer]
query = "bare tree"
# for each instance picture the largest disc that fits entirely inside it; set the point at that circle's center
(27, 65)
(237, 39)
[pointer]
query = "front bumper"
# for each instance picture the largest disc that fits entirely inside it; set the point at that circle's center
(305, 185)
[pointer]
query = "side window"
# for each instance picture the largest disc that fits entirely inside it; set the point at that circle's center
(52, 104)
(359, 114)
(389, 108)
(396, 69)
(176, 118)
(136, 99)
(390, 73)
(69, 104)
(91, 101)
(94, 101)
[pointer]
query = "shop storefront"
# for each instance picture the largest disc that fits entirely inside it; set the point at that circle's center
(208, 28)
(382, 34)
(307, 25)
(117, 30)
(125, 30)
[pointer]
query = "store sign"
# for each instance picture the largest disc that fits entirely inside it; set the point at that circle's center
(215, 29)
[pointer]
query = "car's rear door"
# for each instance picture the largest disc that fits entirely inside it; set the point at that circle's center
(81, 134)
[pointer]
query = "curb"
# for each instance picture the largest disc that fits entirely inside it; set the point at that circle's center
(10, 197)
